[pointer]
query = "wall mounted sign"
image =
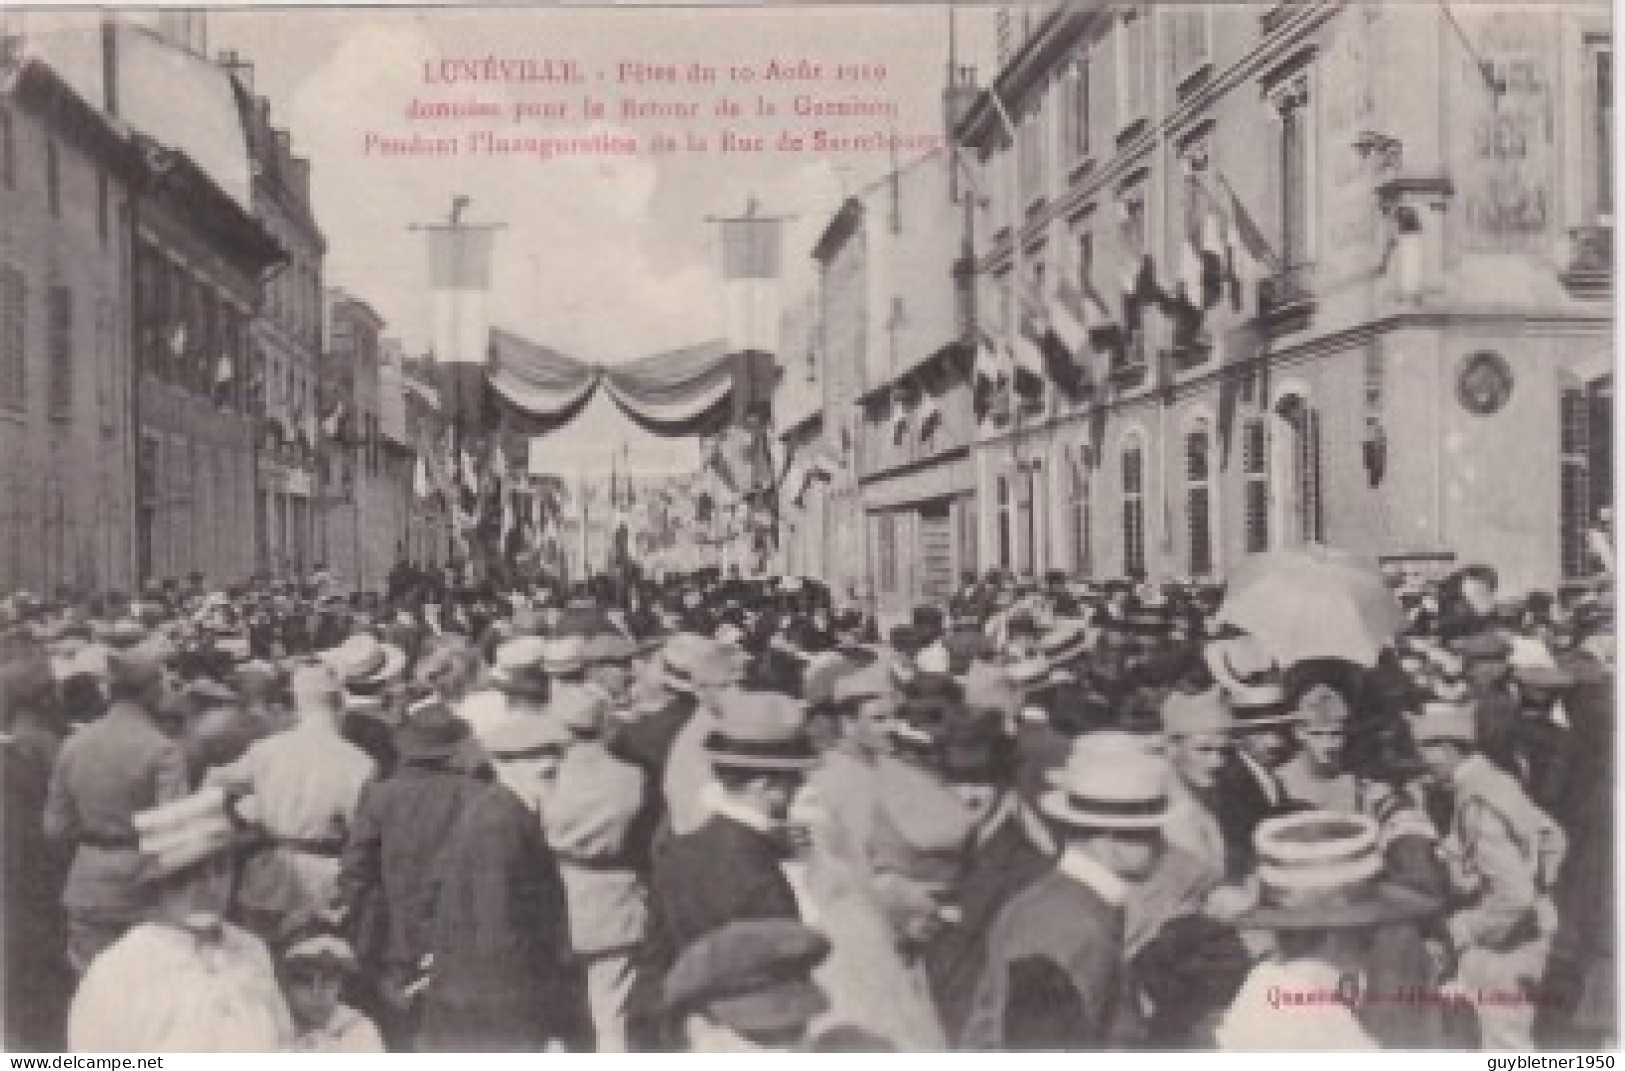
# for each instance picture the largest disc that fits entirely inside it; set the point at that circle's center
(1485, 383)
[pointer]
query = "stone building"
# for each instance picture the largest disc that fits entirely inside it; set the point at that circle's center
(361, 503)
(1335, 272)
(67, 481)
(286, 347)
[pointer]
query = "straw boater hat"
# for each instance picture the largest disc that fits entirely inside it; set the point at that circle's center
(692, 662)
(320, 950)
(363, 662)
(1111, 781)
(178, 835)
(1322, 870)
(1067, 639)
(516, 666)
(565, 654)
(524, 736)
(1251, 680)
(759, 731)
(1197, 714)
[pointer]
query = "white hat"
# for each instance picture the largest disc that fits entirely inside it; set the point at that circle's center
(1111, 780)
(362, 660)
(176, 835)
(1456, 722)
(1322, 870)
(1251, 679)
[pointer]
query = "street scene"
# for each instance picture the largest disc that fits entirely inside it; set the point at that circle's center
(1069, 527)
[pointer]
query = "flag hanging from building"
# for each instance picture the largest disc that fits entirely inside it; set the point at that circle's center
(1248, 255)
(750, 247)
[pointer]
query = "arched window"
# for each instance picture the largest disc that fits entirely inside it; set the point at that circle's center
(1078, 473)
(1133, 508)
(1298, 470)
(1198, 500)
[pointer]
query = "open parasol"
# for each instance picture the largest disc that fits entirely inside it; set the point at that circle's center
(1313, 601)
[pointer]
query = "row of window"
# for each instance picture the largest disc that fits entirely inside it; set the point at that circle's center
(1280, 466)
(59, 345)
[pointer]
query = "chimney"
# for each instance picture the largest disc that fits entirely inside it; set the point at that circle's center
(301, 178)
(284, 144)
(238, 67)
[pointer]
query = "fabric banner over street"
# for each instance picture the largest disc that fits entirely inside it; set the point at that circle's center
(537, 389)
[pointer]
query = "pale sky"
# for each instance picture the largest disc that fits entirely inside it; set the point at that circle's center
(607, 259)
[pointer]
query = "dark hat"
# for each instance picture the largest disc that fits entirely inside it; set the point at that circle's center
(1484, 646)
(977, 749)
(752, 975)
(430, 731)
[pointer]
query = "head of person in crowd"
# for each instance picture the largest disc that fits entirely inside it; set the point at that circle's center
(27, 691)
(316, 694)
(1485, 655)
(1109, 803)
(760, 751)
(1253, 686)
(865, 702)
(525, 752)
(1321, 730)
(517, 671)
(137, 676)
(366, 668)
(977, 755)
(449, 666)
(314, 968)
(917, 850)
(1446, 735)
(748, 986)
(930, 702)
(1199, 731)
(186, 859)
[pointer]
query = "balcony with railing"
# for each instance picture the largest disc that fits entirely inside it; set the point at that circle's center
(1287, 299)
(1590, 270)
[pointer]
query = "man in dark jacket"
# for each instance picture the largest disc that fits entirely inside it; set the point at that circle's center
(501, 979)
(1054, 978)
(1011, 850)
(402, 825)
(731, 866)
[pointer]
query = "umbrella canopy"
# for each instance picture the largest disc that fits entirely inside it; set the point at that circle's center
(1313, 602)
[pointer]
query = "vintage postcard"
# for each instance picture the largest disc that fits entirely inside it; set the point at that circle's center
(789, 527)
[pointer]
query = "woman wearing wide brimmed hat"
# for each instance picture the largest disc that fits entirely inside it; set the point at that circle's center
(187, 980)
(1321, 894)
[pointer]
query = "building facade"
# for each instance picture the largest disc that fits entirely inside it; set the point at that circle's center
(1321, 303)
(919, 489)
(360, 504)
(67, 490)
(286, 349)
(200, 260)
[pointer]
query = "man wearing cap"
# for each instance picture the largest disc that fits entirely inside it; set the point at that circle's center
(313, 969)
(732, 865)
(305, 782)
(1055, 953)
(386, 882)
(747, 986)
(1501, 854)
(591, 819)
(500, 980)
(105, 773)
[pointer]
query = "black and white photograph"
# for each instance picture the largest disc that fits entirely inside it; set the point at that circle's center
(664, 527)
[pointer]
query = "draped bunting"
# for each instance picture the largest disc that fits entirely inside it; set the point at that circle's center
(536, 389)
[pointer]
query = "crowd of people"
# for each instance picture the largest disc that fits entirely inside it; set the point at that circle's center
(715, 813)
